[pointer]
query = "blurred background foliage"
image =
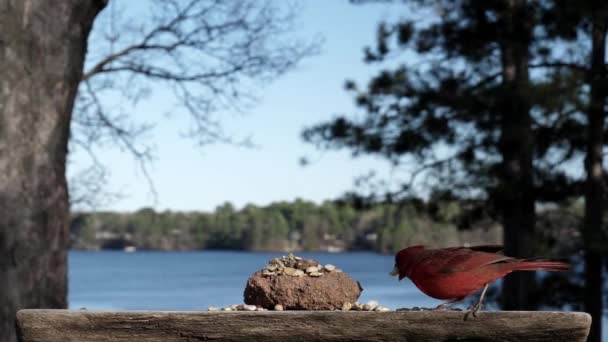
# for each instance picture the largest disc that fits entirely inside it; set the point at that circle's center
(306, 226)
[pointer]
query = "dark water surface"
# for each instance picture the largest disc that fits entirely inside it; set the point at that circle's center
(197, 280)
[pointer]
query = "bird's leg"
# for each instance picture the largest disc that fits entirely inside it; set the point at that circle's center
(475, 307)
(446, 305)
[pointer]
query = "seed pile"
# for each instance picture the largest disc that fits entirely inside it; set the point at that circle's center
(415, 308)
(295, 266)
(372, 305)
(237, 307)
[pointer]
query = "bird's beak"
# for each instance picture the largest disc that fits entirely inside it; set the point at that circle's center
(395, 271)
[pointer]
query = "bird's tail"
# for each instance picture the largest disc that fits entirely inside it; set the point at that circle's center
(545, 265)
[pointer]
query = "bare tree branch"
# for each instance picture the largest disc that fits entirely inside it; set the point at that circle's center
(212, 54)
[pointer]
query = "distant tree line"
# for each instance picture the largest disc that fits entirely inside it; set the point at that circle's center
(291, 226)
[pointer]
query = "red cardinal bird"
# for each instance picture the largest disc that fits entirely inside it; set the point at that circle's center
(454, 273)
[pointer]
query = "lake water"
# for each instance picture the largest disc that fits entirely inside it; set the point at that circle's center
(197, 280)
(110, 280)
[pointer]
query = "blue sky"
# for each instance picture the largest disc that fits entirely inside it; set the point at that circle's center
(188, 177)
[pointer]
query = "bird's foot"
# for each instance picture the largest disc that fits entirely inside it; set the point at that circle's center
(472, 310)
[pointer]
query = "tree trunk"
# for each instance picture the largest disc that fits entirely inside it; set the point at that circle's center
(42, 49)
(516, 146)
(594, 187)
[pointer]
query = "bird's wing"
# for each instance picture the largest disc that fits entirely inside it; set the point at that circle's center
(451, 260)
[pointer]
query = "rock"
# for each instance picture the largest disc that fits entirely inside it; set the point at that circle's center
(328, 292)
(213, 308)
(278, 307)
(346, 306)
(330, 267)
(249, 307)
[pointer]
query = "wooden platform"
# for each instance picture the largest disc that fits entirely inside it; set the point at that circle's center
(155, 326)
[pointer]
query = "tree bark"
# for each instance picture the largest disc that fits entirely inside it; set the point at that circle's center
(595, 187)
(516, 146)
(42, 49)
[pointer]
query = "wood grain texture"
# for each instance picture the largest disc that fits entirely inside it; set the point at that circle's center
(154, 326)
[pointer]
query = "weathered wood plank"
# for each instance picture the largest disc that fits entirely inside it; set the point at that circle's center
(154, 326)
